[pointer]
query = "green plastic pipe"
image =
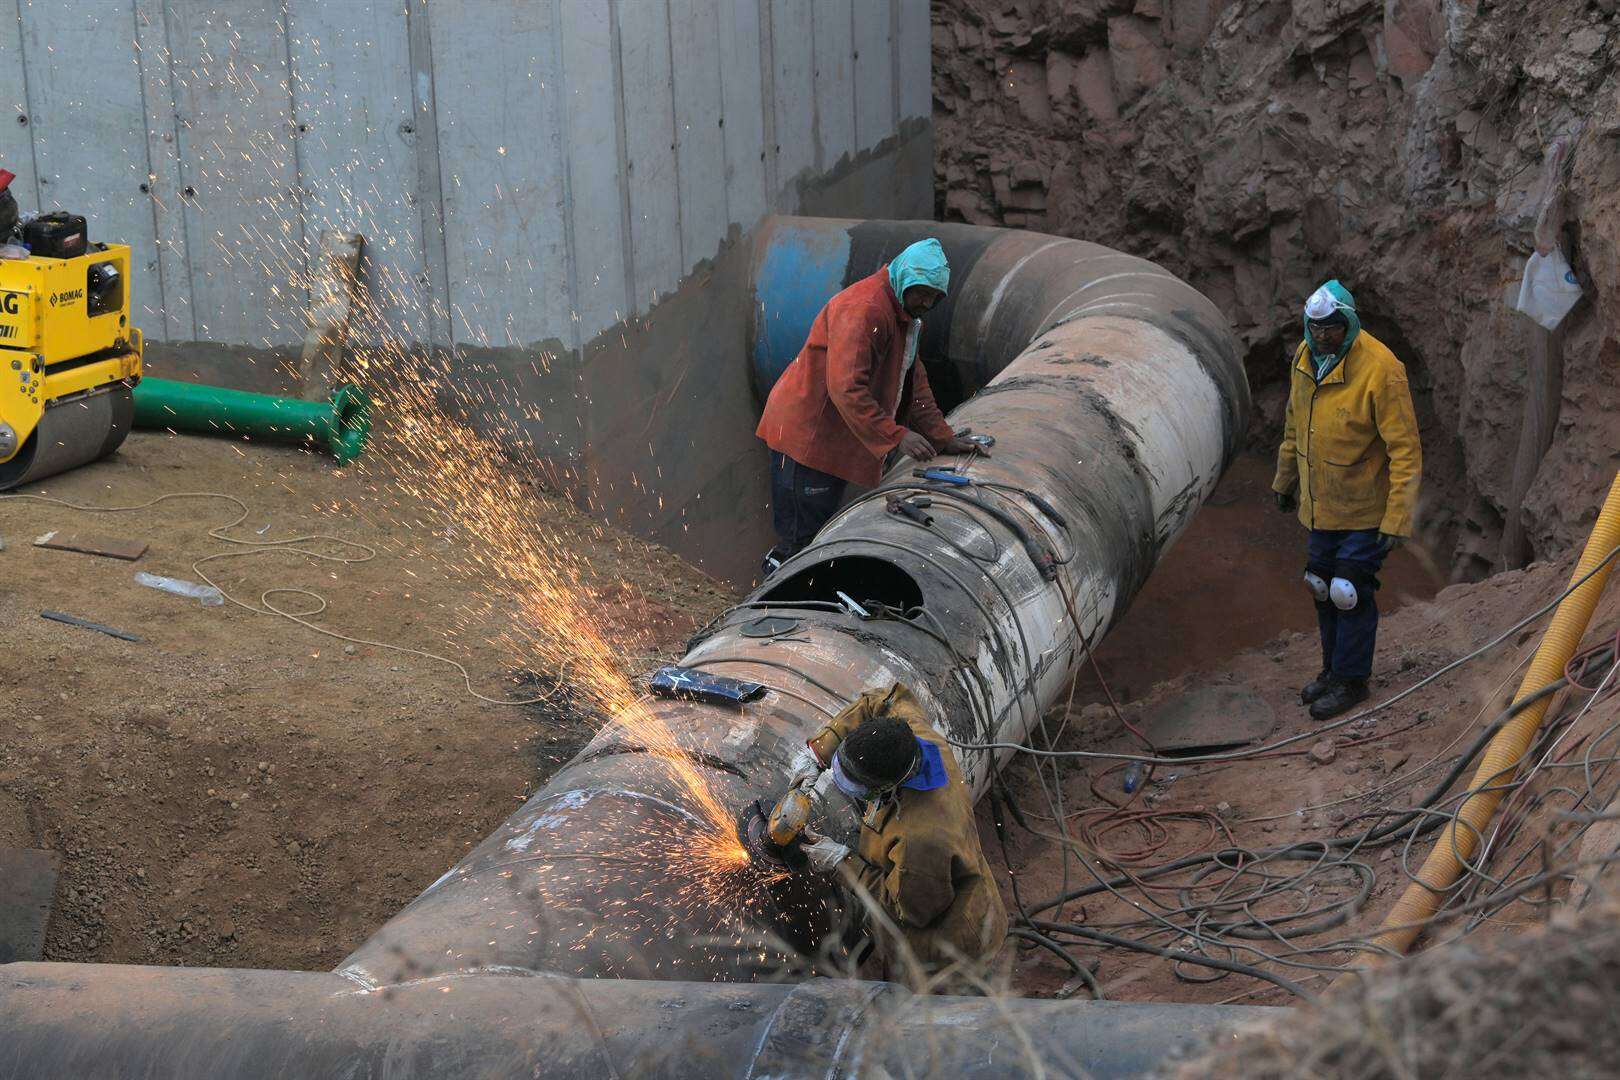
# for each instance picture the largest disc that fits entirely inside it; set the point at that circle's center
(341, 425)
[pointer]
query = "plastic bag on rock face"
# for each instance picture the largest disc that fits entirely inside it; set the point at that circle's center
(1549, 289)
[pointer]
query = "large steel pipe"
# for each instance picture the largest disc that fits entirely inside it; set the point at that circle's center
(1116, 396)
(89, 1021)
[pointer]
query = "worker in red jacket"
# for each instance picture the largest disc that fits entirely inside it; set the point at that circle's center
(854, 395)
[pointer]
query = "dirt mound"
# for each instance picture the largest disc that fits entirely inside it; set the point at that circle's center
(1256, 147)
(1540, 1004)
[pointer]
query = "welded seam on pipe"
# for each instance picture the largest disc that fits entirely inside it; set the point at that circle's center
(1000, 290)
(1045, 324)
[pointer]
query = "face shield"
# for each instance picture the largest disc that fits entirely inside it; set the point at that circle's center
(844, 782)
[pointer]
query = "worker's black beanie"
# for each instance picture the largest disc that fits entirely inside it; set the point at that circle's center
(880, 753)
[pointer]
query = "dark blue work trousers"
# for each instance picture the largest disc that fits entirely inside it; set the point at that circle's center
(1348, 637)
(802, 501)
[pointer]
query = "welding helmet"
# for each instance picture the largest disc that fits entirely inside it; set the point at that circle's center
(877, 757)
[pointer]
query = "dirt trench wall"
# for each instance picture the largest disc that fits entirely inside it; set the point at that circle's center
(1257, 147)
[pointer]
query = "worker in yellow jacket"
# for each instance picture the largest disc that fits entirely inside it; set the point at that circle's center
(1349, 463)
(919, 857)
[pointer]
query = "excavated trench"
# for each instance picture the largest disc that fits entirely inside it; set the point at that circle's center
(1117, 398)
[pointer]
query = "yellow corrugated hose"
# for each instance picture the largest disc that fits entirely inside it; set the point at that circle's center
(1460, 837)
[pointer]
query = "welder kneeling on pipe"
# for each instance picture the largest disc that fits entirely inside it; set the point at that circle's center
(919, 858)
(854, 395)
(1349, 464)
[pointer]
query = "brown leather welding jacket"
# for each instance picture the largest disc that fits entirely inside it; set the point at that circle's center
(919, 855)
(848, 397)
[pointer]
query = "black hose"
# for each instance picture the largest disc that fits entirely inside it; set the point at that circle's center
(1080, 970)
(1234, 966)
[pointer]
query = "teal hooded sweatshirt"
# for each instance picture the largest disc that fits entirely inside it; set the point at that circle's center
(923, 263)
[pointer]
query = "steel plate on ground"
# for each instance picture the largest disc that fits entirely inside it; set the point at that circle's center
(27, 888)
(1212, 718)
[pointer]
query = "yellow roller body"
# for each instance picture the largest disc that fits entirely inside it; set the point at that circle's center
(1457, 842)
(68, 359)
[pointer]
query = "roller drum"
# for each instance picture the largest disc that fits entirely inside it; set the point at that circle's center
(71, 433)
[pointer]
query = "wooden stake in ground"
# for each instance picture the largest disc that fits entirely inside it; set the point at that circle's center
(332, 299)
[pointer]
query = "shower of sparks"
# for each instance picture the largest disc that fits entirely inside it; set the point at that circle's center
(459, 448)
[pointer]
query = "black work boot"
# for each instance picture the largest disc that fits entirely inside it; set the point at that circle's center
(1340, 696)
(1316, 687)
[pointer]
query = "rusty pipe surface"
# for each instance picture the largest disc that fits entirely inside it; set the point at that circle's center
(1116, 395)
(89, 1021)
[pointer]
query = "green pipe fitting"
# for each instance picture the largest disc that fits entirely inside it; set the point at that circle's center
(341, 425)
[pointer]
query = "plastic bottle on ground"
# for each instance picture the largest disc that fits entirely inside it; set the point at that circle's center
(210, 596)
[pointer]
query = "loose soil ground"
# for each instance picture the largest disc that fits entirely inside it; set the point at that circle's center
(1390, 760)
(235, 789)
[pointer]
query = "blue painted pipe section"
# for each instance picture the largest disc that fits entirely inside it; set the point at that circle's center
(800, 265)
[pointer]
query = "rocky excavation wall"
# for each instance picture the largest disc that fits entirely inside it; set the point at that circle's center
(1255, 147)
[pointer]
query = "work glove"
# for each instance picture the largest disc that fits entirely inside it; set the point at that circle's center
(1286, 501)
(823, 852)
(1390, 541)
(806, 769)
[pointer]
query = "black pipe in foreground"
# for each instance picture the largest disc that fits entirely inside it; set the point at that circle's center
(89, 1021)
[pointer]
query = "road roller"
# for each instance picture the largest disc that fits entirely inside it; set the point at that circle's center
(69, 357)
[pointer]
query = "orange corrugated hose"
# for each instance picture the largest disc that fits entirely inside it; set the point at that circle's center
(1457, 842)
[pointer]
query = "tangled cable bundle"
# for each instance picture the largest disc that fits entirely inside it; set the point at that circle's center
(1229, 910)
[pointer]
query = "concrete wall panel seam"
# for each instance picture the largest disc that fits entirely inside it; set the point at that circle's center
(300, 189)
(833, 29)
(874, 74)
(696, 61)
(21, 74)
(153, 265)
(501, 151)
(88, 114)
(355, 106)
(742, 112)
(621, 137)
(650, 172)
(915, 61)
(429, 173)
(172, 282)
(232, 141)
(598, 206)
(570, 236)
(767, 78)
